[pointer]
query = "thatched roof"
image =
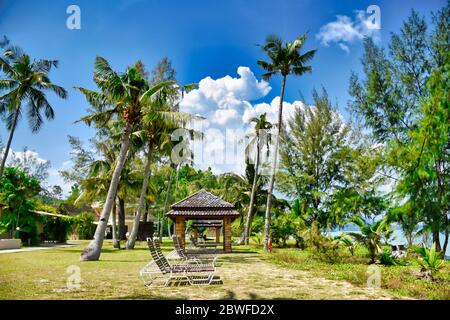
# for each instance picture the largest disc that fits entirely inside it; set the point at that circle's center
(202, 204)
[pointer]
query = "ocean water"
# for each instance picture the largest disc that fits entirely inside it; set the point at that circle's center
(397, 238)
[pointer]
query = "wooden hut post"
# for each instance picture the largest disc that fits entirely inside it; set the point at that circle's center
(180, 229)
(217, 234)
(226, 234)
(195, 233)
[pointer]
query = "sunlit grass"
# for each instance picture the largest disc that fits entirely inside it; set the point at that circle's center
(401, 280)
(247, 273)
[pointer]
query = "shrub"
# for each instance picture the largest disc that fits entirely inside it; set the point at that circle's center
(17, 191)
(386, 258)
(57, 228)
(347, 242)
(371, 234)
(324, 249)
(237, 228)
(258, 238)
(84, 225)
(282, 227)
(430, 260)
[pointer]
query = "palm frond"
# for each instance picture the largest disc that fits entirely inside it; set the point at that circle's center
(156, 88)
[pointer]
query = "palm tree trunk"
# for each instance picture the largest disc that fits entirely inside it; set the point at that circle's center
(116, 242)
(93, 250)
(274, 168)
(121, 218)
(146, 211)
(137, 219)
(8, 144)
(176, 190)
(252, 197)
(166, 202)
(437, 240)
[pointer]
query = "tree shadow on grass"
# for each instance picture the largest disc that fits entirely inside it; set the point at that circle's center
(229, 295)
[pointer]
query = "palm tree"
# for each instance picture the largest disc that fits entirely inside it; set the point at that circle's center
(25, 83)
(95, 186)
(261, 127)
(286, 59)
(158, 124)
(121, 94)
(160, 119)
(98, 179)
(371, 234)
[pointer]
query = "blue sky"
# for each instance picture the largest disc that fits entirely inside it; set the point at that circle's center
(202, 38)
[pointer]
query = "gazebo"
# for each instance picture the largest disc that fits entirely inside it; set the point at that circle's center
(207, 210)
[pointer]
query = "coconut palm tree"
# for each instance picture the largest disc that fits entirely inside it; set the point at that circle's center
(95, 186)
(121, 95)
(261, 137)
(286, 59)
(25, 85)
(161, 118)
(158, 123)
(370, 234)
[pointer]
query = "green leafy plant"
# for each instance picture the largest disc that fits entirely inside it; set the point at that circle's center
(347, 242)
(430, 260)
(17, 190)
(258, 238)
(57, 228)
(370, 235)
(84, 225)
(324, 249)
(388, 259)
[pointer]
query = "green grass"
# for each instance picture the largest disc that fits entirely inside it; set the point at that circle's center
(401, 280)
(247, 273)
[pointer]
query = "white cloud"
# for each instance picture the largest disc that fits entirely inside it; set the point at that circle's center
(345, 31)
(344, 47)
(25, 157)
(272, 110)
(220, 100)
(225, 103)
(223, 116)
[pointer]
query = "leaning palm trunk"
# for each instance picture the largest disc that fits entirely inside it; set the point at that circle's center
(274, 168)
(134, 231)
(93, 250)
(176, 191)
(116, 242)
(166, 202)
(8, 144)
(252, 197)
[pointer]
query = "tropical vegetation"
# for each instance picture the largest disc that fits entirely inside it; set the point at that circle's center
(327, 173)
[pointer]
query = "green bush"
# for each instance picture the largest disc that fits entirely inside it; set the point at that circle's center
(84, 225)
(325, 249)
(258, 238)
(281, 228)
(237, 228)
(347, 242)
(386, 258)
(57, 228)
(17, 193)
(430, 260)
